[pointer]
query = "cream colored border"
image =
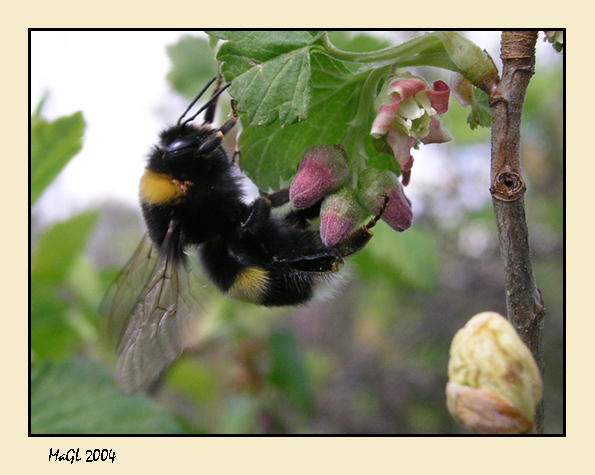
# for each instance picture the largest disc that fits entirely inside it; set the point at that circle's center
(303, 455)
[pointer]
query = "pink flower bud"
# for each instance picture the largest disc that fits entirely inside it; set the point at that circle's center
(322, 170)
(374, 186)
(339, 215)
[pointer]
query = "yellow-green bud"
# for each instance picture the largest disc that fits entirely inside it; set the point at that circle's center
(494, 383)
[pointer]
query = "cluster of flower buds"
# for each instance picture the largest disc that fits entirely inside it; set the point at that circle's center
(494, 383)
(406, 114)
(323, 174)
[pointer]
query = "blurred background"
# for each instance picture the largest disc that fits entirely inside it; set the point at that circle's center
(372, 360)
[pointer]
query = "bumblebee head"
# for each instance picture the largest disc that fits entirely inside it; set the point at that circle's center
(186, 147)
(185, 151)
(185, 140)
(184, 144)
(188, 157)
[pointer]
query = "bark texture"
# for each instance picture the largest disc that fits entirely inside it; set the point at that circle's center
(523, 298)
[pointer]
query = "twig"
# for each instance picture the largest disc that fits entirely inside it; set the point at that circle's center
(523, 299)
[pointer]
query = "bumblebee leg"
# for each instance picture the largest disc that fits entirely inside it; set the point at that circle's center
(353, 243)
(216, 137)
(257, 220)
(279, 198)
(325, 261)
(261, 209)
(297, 216)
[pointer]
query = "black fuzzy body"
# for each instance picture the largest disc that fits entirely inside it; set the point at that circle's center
(238, 241)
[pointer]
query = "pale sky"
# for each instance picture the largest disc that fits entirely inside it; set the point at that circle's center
(118, 80)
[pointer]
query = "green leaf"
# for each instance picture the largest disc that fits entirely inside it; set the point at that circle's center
(53, 144)
(257, 46)
(279, 90)
(59, 246)
(78, 397)
(271, 74)
(270, 155)
(481, 114)
(193, 65)
(288, 370)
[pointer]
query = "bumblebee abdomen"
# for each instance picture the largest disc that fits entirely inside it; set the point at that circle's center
(274, 286)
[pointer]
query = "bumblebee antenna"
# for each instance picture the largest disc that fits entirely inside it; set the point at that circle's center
(210, 105)
(196, 99)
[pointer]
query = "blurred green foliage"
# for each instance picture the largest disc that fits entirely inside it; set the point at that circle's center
(70, 394)
(53, 144)
(194, 65)
(77, 396)
(53, 329)
(372, 359)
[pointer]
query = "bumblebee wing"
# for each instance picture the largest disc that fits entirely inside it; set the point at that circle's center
(155, 327)
(126, 291)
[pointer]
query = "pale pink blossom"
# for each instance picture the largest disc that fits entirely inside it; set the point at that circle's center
(407, 110)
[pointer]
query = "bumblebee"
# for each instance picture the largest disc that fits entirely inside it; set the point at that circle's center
(192, 201)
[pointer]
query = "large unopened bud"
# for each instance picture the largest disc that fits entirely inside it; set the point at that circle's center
(494, 383)
(322, 170)
(374, 186)
(339, 215)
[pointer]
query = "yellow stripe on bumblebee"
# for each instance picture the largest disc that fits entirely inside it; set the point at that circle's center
(159, 188)
(250, 285)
